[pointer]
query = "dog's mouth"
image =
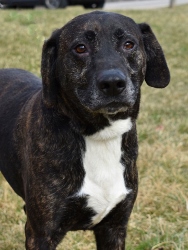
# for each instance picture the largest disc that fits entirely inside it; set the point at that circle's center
(113, 108)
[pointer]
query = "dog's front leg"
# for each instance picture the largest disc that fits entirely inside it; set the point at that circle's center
(36, 241)
(110, 238)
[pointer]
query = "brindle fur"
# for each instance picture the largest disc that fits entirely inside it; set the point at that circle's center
(43, 124)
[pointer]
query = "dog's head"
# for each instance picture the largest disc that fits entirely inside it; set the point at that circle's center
(98, 61)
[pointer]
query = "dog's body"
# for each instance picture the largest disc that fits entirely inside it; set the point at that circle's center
(69, 145)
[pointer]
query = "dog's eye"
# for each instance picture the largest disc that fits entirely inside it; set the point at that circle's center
(128, 45)
(80, 49)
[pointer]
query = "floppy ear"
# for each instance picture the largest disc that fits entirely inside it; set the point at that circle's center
(157, 72)
(48, 67)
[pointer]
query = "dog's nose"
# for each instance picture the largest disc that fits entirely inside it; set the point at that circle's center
(111, 82)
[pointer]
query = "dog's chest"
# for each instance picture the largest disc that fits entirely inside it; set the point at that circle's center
(104, 183)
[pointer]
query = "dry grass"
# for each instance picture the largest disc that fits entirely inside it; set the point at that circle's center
(160, 217)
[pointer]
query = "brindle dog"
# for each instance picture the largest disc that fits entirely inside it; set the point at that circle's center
(68, 143)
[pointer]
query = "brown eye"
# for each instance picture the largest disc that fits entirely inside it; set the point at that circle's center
(80, 49)
(128, 45)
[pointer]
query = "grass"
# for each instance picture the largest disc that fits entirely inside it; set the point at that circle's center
(160, 217)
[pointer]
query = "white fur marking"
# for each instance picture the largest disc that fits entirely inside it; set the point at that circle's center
(104, 182)
(117, 128)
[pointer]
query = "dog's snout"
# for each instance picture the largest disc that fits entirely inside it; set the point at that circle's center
(111, 82)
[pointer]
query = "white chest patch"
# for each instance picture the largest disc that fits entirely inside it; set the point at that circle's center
(104, 182)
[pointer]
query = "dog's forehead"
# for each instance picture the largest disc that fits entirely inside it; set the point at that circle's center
(100, 22)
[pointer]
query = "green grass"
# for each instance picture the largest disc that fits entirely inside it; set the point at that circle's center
(160, 217)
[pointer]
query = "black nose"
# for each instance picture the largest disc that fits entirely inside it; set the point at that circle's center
(111, 82)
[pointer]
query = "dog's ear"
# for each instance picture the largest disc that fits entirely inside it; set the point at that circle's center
(157, 72)
(48, 68)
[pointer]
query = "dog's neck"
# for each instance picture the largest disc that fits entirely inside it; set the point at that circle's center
(87, 123)
(94, 124)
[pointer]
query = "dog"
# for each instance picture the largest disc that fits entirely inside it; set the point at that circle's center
(68, 142)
